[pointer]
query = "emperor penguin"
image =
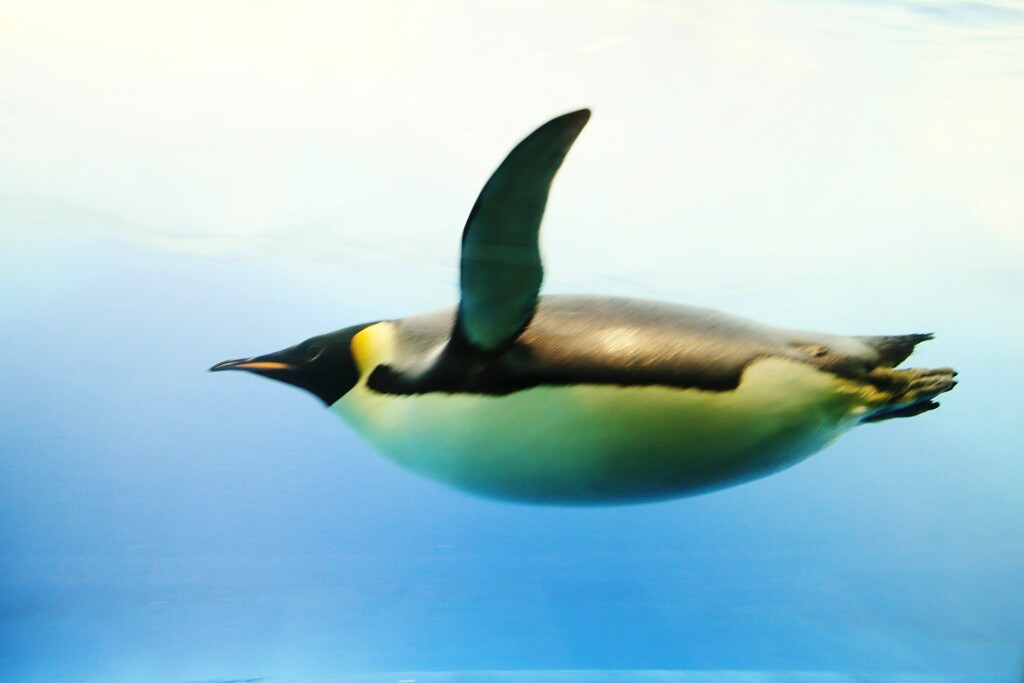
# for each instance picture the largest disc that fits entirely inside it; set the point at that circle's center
(569, 399)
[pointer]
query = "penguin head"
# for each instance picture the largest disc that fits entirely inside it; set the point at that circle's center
(322, 365)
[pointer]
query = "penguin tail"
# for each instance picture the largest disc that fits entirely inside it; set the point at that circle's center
(906, 393)
(893, 350)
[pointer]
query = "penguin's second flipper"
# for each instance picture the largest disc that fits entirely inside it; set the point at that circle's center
(501, 266)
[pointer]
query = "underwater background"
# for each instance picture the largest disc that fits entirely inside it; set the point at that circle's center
(186, 182)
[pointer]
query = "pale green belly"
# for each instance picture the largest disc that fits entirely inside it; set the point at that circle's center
(585, 444)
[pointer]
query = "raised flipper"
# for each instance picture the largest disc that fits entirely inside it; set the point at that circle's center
(501, 267)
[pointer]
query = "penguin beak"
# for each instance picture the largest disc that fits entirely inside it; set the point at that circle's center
(321, 365)
(256, 363)
(290, 366)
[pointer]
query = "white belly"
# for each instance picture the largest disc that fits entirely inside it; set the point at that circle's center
(585, 444)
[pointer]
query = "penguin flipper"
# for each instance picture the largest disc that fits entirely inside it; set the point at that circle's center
(501, 270)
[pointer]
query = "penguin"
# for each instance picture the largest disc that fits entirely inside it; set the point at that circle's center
(584, 400)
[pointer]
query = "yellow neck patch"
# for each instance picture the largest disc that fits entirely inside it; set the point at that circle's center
(372, 346)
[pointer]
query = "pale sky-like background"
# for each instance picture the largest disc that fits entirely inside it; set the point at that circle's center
(783, 139)
(186, 182)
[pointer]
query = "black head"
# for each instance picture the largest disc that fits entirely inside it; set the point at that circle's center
(321, 365)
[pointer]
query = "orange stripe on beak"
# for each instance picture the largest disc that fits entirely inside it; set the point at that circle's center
(263, 365)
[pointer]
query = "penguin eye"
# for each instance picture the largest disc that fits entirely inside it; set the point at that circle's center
(312, 352)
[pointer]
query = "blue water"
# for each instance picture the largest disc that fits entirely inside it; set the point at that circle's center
(159, 523)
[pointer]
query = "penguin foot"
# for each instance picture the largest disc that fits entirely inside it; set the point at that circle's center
(906, 393)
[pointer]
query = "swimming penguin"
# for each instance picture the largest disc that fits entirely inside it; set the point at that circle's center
(590, 399)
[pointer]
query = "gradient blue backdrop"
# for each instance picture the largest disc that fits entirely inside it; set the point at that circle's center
(158, 523)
